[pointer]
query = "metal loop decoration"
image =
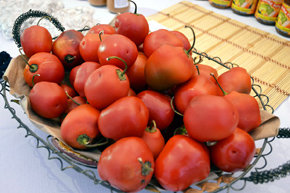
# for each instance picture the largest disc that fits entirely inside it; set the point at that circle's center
(30, 14)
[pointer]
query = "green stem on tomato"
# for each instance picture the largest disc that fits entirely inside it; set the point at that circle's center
(172, 107)
(32, 67)
(33, 83)
(197, 68)
(71, 98)
(135, 10)
(152, 128)
(224, 92)
(69, 58)
(193, 43)
(121, 74)
(47, 17)
(100, 35)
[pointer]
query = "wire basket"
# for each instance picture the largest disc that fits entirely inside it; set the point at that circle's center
(69, 159)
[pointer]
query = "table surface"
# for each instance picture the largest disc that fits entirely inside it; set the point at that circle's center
(26, 169)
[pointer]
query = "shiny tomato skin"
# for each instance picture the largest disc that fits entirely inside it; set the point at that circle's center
(72, 74)
(233, 153)
(198, 85)
(130, 118)
(236, 79)
(210, 118)
(136, 73)
(248, 109)
(103, 86)
(89, 46)
(106, 28)
(82, 75)
(66, 48)
(183, 38)
(158, 38)
(182, 162)
(120, 165)
(71, 104)
(155, 141)
(120, 46)
(49, 69)
(48, 99)
(35, 39)
(167, 67)
(69, 90)
(82, 120)
(133, 26)
(159, 107)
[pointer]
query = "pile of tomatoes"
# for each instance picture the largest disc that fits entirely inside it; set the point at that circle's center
(143, 92)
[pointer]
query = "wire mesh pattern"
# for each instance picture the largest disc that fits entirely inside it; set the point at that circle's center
(265, 56)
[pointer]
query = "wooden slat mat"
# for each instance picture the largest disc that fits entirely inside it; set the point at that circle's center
(264, 55)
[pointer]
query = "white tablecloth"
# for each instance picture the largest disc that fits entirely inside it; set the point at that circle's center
(26, 169)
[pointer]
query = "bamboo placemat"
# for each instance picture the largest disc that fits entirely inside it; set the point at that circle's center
(265, 56)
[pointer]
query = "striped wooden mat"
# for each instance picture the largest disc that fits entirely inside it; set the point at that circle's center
(265, 56)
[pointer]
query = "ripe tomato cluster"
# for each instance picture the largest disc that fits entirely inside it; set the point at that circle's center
(139, 89)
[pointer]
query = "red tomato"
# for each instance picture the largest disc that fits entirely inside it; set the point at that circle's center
(80, 127)
(158, 38)
(210, 118)
(133, 26)
(168, 66)
(136, 73)
(120, 46)
(35, 39)
(154, 139)
(74, 102)
(248, 109)
(183, 38)
(159, 107)
(104, 86)
(130, 117)
(46, 65)
(72, 74)
(48, 104)
(82, 75)
(181, 163)
(66, 48)
(234, 152)
(127, 164)
(89, 47)
(236, 79)
(69, 90)
(198, 85)
(106, 28)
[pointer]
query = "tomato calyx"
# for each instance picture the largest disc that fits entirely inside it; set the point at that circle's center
(32, 67)
(146, 167)
(69, 58)
(85, 140)
(152, 128)
(210, 143)
(120, 73)
(180, 131)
